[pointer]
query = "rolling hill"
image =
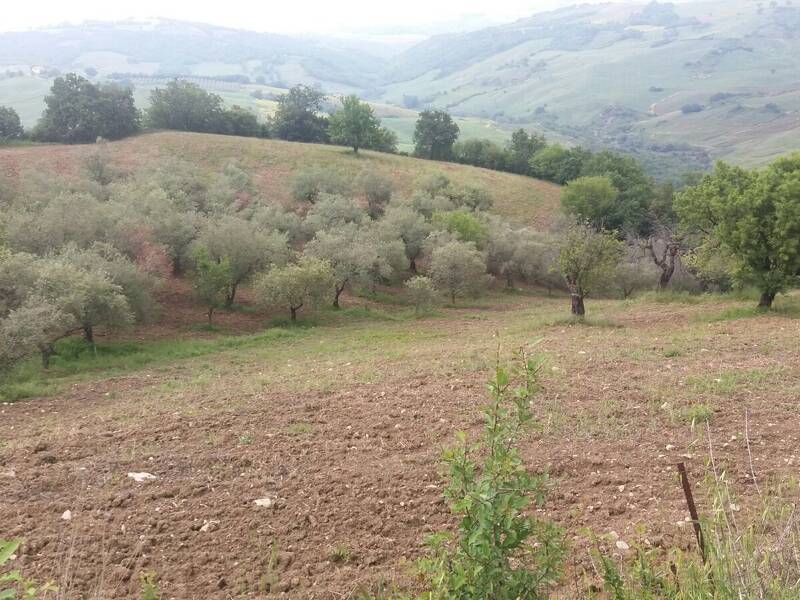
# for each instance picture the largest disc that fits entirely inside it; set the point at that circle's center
(273, 163)
(678, 85)
(620, 75)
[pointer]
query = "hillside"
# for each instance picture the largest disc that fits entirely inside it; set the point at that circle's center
(620, 74)
(273, 163)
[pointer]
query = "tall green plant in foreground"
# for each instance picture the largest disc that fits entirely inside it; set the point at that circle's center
(498, 551)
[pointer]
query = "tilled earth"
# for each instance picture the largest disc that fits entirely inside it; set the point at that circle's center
(351, 470)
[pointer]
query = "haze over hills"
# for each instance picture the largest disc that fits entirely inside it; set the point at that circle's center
(676, 84)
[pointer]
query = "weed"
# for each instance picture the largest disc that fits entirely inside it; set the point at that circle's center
(340, 554)
(149, 587)
(27, 588)
(672, 353)
(299, 428)
(697, 414)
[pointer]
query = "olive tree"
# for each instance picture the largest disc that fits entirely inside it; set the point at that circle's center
(305, 283)
(308, 184)
(587, 259)
(377, 190)
(245, 247)
(458, 269)
(410, 227)
(331, 212)
(421, 293)
(345, 256)
(210, 281)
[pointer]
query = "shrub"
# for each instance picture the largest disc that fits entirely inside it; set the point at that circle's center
(210, 281)
(309, 183)
(458, 268)
(421, 293)
(462, 224)
(306, 283)
(499, 550)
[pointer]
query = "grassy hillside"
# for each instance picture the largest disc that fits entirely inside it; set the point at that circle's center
(619, 75)
(273, 163)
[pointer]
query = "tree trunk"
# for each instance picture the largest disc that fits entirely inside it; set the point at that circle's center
(47, 351)
(337, 292)
(88, 334)
(509, 280)
(211, 316)
(453, 298)
(176, 266)
(578, 308)
(230, 296)
(766, 300)
(294, 313)
(413, 265)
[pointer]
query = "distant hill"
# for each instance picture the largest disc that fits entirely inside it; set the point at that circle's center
(166, 47)
(678, 85)
(522, 200)
(621, 74)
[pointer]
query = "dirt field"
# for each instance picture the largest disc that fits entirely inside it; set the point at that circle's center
(341, 426)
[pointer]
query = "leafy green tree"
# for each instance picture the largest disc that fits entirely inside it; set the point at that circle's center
(500, 549)
(242, 122)
(587, 260)
(755, 215)
(383, 139)
(464, 225)
(306, 283)
(210, 281)
(434, 135)
(593, 200)
(347, 259)
(354, 124)
(481, 153)
(245, 248)
(79, 111)
(558, 164)
(410, 227)
(185, 106)
(10, 125)
(521, 148)
(458, 269)
(632, 206)
(298, 116)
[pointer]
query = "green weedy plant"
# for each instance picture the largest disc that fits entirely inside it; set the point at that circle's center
(749, 556)
(498, 551)
(22, 587)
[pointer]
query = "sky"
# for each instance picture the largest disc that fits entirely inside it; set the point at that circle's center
(307, 16)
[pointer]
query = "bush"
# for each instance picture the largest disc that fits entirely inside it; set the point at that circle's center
(499, 550)
(306, 283)
(309, 183)
(421, 293)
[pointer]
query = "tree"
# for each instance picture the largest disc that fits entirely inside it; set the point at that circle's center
(462, 224)
(354, 124)
(480, 153)
(421, 293)
(755, 215)
(434, 135)
(501, 250)
(245, 248)
(309, 183)
(297, 117)
(410, 227)
(631, 210)
(593, 200)
(185, 106)
(210, 281)
(521, 148)
(558, 164)
(377, 190)
(458, 268)
(587, 258)
(331, 212)
(10, 125)
(242, 122)
(346, 258)
(306, 283)
(78, 111)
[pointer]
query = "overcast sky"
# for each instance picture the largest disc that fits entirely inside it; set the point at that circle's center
(307, 16)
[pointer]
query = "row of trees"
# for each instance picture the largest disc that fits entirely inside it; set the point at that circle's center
(79, 111)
